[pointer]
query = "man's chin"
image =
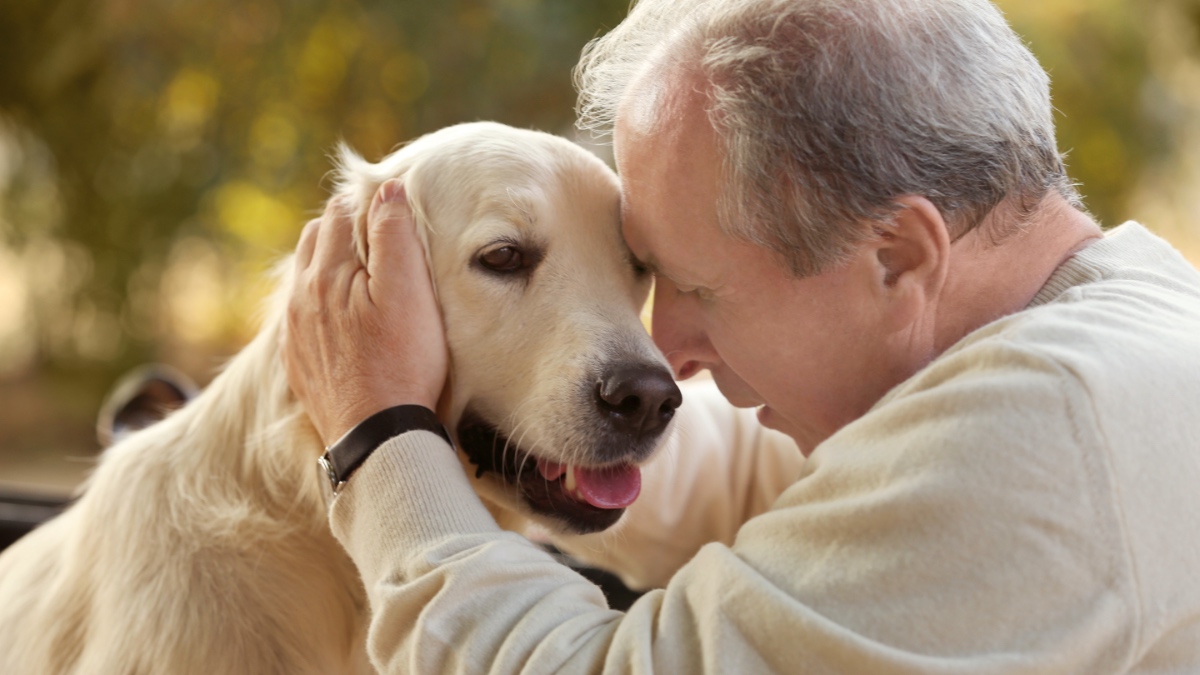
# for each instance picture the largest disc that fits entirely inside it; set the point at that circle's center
(768, 417)
(740, 395)
(771, 419)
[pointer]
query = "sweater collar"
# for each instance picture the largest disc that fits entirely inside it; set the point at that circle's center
(1099, 259)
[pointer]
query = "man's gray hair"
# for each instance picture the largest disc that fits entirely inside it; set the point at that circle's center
(826, 111)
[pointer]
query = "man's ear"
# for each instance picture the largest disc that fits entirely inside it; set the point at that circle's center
(911, 256)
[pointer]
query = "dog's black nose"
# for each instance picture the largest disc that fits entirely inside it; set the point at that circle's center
(638, 400)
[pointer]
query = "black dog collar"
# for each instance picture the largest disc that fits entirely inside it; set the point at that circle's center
(352, 449)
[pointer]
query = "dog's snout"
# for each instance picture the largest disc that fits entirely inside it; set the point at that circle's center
(638, 400)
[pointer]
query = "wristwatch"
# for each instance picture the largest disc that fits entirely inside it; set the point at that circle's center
(352, 449)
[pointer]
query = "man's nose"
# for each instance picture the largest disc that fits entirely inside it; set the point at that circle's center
(676, 333)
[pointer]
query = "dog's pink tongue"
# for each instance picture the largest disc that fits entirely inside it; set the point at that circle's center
(612, 487)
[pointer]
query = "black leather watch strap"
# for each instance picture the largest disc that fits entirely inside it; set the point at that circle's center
(352, 449)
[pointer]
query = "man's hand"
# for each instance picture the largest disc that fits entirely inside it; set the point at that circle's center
(361, 339)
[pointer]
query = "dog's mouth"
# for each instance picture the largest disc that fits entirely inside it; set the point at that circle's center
(583, 498)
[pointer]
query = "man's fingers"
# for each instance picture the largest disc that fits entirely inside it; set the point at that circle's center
(335, 237)
(307, 244)
(342, 317)
(392, 237)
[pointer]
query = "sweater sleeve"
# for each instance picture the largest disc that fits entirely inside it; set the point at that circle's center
(965, 525)
(719, 468)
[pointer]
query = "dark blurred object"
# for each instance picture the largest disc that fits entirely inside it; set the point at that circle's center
(140, 398)
(620, 597)
(21, 512)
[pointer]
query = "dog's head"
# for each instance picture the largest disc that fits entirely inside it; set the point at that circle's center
(556, 393)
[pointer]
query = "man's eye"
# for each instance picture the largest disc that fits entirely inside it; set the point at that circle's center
(699, 292)
(506, 259)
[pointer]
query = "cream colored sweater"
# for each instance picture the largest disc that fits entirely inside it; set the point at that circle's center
(1028, 503)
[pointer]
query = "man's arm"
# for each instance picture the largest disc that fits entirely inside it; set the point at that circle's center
(965, 527)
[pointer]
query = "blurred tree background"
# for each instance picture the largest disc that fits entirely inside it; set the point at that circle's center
(156, 156)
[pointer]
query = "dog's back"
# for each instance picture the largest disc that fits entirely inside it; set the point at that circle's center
(199, 546)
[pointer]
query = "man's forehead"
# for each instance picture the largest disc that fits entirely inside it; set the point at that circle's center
(634, 238)
(655, 131)
(656, 116)
(643, 106)
(626, 217)
(657, 98)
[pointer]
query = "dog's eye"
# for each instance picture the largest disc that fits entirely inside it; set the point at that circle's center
(506, 259)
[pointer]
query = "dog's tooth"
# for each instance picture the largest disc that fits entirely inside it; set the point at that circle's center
(569, 480)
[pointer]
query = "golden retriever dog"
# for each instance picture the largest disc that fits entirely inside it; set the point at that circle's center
(201, 544)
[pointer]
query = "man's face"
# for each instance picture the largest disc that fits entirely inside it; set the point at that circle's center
(812, 352)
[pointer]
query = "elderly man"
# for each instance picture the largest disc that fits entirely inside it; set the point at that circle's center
(859, 223)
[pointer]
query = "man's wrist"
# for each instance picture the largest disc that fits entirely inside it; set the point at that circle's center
(346, 454)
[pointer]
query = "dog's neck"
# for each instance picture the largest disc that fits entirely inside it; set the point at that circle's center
(245, 438)
(232, 476)
(272, 448)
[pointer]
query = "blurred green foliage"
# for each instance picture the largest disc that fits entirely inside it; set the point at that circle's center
(156, 156)
(146, 135)
(1104, 89)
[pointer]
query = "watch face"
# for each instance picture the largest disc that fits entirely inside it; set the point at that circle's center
(325, 467)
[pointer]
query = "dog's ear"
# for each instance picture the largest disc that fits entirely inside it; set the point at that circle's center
(358, 180)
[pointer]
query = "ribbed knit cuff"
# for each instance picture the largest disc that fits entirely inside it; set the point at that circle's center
(410, 493)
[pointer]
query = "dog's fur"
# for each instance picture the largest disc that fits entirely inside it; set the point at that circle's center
(201, 544)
